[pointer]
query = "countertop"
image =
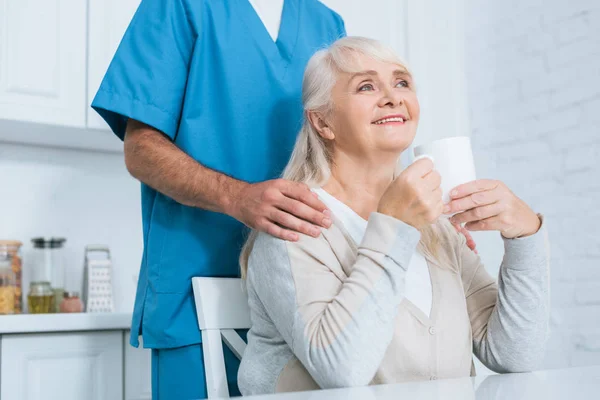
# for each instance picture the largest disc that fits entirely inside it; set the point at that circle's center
(41, 323)
(570, 383)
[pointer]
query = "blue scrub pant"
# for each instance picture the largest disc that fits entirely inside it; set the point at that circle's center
(178, 373)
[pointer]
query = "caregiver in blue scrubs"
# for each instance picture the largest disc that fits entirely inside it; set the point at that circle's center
(206, 96)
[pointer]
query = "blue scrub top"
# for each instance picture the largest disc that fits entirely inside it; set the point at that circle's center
(208, 75)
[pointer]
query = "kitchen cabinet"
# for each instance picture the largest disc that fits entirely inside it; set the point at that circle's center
(43, 61)
(53, 56)
(138, 373)
(67, 366)
(71, 357)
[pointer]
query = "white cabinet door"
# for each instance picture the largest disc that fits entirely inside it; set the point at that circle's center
(108, 21)
(42, 61)
(384, 20)
(138, 371)
(62, 366)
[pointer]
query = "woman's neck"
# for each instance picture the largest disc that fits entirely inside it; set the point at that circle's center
(359, 185)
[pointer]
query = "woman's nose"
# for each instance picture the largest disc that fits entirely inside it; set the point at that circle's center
(391, 98)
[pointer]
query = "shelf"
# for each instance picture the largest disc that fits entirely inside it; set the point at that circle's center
(75, 322)
(31, 133)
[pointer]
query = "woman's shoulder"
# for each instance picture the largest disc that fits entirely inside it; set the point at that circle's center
(266, 250)
(308, 250)
(267, 245)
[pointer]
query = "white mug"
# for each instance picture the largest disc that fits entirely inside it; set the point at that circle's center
(453, 159)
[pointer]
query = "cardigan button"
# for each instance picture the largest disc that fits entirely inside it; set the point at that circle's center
(432, 330)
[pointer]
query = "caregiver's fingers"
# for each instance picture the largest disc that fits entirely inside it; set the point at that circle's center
(301, 192)
(278, 232)
(289, 221)
(299, 210)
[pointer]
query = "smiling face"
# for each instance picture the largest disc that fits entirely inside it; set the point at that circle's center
(374, 111)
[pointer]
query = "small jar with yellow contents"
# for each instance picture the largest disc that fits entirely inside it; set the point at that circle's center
(13, 248)
(40, 298)
(7, 284)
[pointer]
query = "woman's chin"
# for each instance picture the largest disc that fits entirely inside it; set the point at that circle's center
(395, 144)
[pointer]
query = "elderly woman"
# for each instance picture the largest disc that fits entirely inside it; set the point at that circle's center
(390, 292)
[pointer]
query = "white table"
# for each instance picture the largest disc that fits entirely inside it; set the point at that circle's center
(571, 384)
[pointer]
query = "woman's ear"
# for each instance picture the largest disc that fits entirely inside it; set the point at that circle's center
(320, 125)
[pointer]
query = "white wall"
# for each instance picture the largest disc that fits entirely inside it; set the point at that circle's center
(86, 197)
(533, 75)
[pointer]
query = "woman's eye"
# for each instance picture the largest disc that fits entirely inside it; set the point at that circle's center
(402, 84)
(365, 88)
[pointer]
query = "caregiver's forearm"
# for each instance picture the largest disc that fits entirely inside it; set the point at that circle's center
(154, 160)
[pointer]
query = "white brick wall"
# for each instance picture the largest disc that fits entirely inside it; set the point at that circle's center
(533, 75)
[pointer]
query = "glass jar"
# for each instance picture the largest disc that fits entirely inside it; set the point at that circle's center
(13, 248)
(71, 303)
(7, 284)
(48, 265)
(40, 298)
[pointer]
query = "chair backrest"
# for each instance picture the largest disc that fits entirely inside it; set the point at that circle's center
(221, 307)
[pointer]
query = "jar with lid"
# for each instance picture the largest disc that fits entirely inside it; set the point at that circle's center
(13, 248)
(40, 298)
(48, 265)
(71, 303)
(7, 284)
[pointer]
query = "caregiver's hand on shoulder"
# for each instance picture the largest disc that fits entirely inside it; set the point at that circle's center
(415, 196)
(281, 208)
(488, 205)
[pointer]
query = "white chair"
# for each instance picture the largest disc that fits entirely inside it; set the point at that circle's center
(221, 306)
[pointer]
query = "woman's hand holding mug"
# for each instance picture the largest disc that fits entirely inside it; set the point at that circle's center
(415, 196)
(489, 205)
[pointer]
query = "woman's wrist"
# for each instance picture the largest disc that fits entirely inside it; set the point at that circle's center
(531, 228)
(536, 225)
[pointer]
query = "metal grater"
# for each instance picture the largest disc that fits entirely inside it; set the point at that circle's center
(97, 280)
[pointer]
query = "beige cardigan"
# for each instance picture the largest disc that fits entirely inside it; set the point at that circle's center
(328, 313)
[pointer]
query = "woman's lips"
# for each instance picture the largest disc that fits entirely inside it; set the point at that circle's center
(391, 119)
